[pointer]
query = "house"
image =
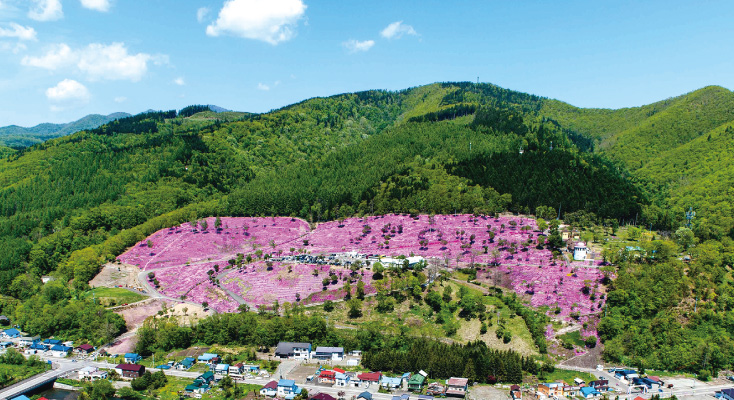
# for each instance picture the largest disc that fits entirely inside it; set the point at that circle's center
(85, 348)
(132, 358)
(52, 342)
(571, 391)
(457, 387)
(515, 392)
(35, 348)
(299, 351)
(97, 375)
(28, 340)
(206, 378)
(370, 377)
(326, 376)
(365, 396)
(87, 371)
(391, 383)
(197, 387)
(237, 368)
(342, 379)
(329, 353)
(435, 389)
(288, 388)
(207, 358)
(656, 379)
(626, 375)
(589, 392)
(356, 353)
(222, 369)
(186, 363)
(323, 396)
(601, 385)
(726, 394)
(551, 389)
(270, 389)
(130, 370)
(60, 350)
(647, 382)
(5, 345)
(415, 383)
(10, 333)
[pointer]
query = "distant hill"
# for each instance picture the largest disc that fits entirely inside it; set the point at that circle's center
(18, 136)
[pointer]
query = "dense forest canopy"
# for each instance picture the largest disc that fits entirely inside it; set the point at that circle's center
(71, 203)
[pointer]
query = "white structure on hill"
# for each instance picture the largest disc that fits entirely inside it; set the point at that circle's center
(580, 251)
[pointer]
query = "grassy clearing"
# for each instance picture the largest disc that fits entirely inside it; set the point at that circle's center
(111, 297)
(11, 374)
(573, 338)
(567, 376)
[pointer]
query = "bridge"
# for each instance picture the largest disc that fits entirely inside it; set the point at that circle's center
(37, 381)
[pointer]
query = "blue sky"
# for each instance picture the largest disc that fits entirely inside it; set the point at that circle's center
(63, 59)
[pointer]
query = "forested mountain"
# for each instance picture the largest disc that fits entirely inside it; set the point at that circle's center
(17, 136)
(70, 203)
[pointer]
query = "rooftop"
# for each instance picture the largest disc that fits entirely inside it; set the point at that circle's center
(458, 382)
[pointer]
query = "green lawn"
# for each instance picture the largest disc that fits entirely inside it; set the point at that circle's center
(113, 296)
(567, 376)
(174, 385)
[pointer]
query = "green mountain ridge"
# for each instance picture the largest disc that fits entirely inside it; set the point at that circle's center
(18, 136)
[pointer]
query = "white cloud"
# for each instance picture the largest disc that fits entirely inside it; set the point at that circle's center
(98, 5)
(120, 99)
(14, 48)
(68, 91)
(98, 61)
(57, 57)
(262, 86)
(46, 10)
(18, 31)
(179, 81)
(396, 30)
(271, 21)
(202, 13)
(355, 46)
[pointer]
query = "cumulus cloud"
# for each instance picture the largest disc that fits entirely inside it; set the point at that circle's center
(396, 30)
(355, 46)
(97, 5)
(68, 91)
(202, 13)
(97, 61)
(46, 10)
(271, 21)
(262, 86)
(18, 31)
(179, 81)
(57, 57)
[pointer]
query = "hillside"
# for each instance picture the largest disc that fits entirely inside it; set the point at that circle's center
(71, 203)
(17, 136)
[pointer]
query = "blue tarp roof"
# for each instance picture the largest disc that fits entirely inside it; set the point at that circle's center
(132, 355)
(286, 382)
(207, 356)
(12, 332)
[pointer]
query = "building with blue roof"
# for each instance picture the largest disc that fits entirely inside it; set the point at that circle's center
(10, 333)
(207, 358)
(21, 397)
(132, 358)
(589, 392)
(391, 383)
(52, 342)
(288, 388)
(60, 350)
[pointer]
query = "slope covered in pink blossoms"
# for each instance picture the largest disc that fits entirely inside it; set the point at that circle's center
(183, 256)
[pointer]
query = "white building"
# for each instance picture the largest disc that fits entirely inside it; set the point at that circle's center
(579, 251)
(329, 353)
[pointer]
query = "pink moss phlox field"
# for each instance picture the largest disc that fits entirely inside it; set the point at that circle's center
(181, 244)
(256, 285)
(456, 239)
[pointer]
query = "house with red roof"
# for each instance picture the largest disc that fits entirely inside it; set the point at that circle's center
(370, 377)
(457, 387)
(270, 389)
(130, 371)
